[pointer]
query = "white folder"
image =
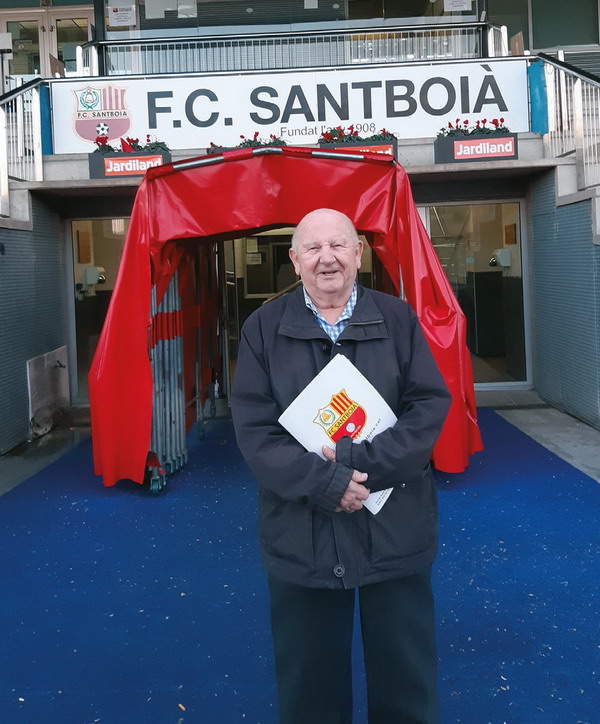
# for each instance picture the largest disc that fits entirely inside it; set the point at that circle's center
(339, 401)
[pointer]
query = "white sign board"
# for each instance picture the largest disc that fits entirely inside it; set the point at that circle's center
(121, 16)
(412, 101)
(457, 5)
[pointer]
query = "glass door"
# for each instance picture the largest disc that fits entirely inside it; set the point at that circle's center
(97, 246)
(479, 247)
(68, 28)
(27, 50)
(44, 42)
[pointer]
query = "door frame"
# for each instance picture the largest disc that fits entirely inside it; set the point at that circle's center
(526, 384)
(70, 291)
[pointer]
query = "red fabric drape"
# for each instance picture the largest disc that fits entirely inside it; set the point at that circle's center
(243, 193)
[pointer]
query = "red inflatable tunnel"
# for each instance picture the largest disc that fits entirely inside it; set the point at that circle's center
(237, 194)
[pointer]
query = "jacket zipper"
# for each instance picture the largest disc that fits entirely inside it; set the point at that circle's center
(364, 324)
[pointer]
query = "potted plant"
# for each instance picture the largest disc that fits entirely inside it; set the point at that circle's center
(131, 159)
(339, 137)
(467, 141)
(254, 142)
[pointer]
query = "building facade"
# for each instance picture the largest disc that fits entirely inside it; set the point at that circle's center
(516, 229)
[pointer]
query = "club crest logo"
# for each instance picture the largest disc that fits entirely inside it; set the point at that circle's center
(101, 112)
(341, 416)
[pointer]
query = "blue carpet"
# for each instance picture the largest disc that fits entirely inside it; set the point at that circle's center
(121, 607)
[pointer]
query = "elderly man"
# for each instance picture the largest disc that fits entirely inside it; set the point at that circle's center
(319, 544)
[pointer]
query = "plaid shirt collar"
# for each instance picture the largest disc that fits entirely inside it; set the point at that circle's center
(333, 331)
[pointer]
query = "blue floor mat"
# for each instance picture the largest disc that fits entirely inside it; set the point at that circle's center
(122, 607)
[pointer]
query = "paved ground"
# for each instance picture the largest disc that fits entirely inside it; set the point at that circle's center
(567, 437)
(30, 457)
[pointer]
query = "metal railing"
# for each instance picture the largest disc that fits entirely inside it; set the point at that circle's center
(20, 139)
(284, 51)
(573, 118)
(168, 442)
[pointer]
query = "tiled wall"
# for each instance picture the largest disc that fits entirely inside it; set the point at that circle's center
(33, 316)
(565, 269)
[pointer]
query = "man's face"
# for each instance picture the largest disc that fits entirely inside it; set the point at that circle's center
(327, 257)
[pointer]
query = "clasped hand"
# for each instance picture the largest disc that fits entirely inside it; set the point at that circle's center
(356, 492)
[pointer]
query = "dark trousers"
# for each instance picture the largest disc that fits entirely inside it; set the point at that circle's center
(312, 636)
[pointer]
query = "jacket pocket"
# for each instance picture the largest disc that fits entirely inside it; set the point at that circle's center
(285, 529)
(407, 523)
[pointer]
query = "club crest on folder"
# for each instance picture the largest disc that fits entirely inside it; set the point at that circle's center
(341, 416)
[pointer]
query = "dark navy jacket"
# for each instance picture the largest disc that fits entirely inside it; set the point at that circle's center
(302, 539)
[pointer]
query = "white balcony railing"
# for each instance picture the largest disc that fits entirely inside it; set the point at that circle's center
(573, 120)
(20, 139)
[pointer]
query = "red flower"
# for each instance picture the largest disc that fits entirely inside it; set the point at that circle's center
(495, 122)
(255, 135)
(465, 123)
(101, 140)
(243, 137)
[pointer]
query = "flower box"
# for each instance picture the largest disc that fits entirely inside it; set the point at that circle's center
(125, 163)
(471, 147)
(388, 146)
(255, 142)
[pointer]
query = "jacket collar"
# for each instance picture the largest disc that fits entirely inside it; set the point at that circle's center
(366, 322)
